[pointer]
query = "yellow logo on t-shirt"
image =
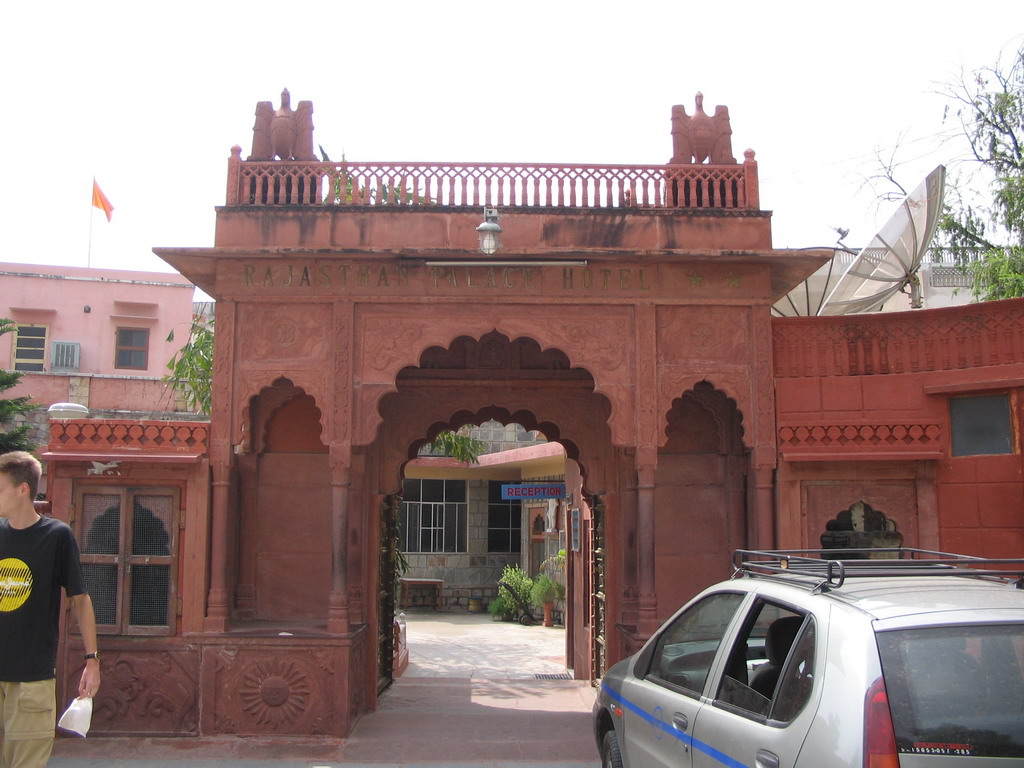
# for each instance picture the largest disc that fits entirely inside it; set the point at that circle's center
(15, 584)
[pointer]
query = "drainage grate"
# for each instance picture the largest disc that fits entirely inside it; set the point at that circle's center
(559, 676)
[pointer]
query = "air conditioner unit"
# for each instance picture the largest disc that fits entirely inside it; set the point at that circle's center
(64, 356)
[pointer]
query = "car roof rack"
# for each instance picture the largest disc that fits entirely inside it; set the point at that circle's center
(829, 568)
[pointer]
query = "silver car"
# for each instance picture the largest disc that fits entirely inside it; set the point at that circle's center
(815, 659)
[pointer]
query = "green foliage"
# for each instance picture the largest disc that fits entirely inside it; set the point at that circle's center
(552, 570)
(459, 447)
(987, 236)
(555, 565)
(519, 582)
(999, 274)
(401, 563)
(545, 590)
(502, 607)
(191, 368)
(342, 188)
(14, 438)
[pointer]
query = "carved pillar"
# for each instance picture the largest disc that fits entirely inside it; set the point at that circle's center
(763, 506)
(625, 531)
(647, 603)
(248, 493)
(234, 175)
(647, 426)
(764, 458)
(751, 190)
(340, 429)
(338, 612)
(221, 429)
(927, 505)
(217, 599)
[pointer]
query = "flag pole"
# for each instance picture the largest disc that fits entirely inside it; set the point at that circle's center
(92, 215)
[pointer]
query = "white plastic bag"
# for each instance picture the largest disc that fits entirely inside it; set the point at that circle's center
(78, 717)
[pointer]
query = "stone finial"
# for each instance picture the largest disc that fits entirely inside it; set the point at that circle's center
(284, 134)
(701, 137)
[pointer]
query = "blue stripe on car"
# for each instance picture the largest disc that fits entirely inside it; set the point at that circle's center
(668, 728)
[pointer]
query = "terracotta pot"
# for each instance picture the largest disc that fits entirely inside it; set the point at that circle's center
(547, 615)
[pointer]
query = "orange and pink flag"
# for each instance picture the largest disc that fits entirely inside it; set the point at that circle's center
(99, 200)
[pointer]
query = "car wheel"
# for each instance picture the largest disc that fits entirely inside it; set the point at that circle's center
(610, 755)
(526, 620)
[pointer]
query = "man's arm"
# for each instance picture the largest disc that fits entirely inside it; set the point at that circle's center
(82, 606)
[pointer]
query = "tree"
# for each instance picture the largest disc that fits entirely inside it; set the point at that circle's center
(191, 368)
(15, 438)
(460, 447)
(986, 235)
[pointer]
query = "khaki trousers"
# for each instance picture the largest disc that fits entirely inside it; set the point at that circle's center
(28, 716)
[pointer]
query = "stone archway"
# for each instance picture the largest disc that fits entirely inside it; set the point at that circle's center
(284, 563)
(509, 380)
(700, 496)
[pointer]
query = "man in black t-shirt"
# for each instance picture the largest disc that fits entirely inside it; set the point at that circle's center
(38, 557)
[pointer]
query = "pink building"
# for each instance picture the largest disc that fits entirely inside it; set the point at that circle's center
(96, 337)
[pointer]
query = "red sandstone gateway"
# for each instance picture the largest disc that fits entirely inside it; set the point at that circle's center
(805, 662)
(626, 316)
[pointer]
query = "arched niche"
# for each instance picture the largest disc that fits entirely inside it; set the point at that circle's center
(700, 494)
(284, 511)
(282, 418)
(704, 420)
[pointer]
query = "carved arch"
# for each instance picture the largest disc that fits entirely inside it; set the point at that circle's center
(527, 419)
(734, 387)
(271, 397)
(589, 341)
(714, 404)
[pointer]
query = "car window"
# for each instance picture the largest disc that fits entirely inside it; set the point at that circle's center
(770, 668)
(686, 648)
(956, 690)
(797, 680)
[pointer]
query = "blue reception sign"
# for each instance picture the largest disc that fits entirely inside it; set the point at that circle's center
(522, 491)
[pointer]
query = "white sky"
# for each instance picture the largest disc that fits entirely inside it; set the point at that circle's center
(150, 97)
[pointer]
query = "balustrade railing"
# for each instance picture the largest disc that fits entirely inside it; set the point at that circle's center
(505, 185)
(124, 435)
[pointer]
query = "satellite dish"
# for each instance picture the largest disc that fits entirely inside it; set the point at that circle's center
(890, 261)
(807, 299)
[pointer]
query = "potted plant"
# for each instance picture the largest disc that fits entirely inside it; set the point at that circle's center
(514, 589)
(554, 568)
(544, 593)
(501, 608)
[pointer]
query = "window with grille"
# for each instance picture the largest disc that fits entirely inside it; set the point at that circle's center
(433, 517)
(64, 356)
(504, 521)
(128, 539)
(132, 348)
(30, 348)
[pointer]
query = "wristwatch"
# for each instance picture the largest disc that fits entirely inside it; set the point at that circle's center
(93, 656)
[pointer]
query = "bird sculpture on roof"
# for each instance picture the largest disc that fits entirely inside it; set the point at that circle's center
(701, 137)
(285, 133)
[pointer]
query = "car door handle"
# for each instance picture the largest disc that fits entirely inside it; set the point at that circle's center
(766, 759)
(680, 721)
